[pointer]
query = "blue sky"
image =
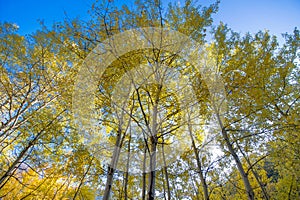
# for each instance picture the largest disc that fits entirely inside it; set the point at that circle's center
(278, 16)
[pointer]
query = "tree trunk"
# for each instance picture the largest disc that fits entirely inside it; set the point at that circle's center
(144, 175)
(238, 162)
(202, 178)
(166, 172)
(151, 190)
(127, 169)
(24, 151)
(153, 139)
(112, 166)
(261, 185)
(82, 179)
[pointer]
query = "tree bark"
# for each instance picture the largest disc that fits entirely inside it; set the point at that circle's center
(127, 168)
(202, 178)
(237, 160)
(261, 185)
(144, 175)
(151, 190)
(112, 166)
(166, 172)
(153, 139)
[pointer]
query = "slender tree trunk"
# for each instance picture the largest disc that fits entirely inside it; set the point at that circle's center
(202, 178)
(264, 191)
(144, 175)
(82, 179)
(127, 168)
(166, 172)
(151, 190)
(245, 178)
(11, 168)
(237, 160)
(24, 151)
(164, 187)
(112, 166)
(153, 139)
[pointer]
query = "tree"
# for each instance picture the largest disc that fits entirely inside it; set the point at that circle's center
(35, 119)
(140, 121)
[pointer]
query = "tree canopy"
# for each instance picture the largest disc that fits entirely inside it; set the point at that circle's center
(138, 103)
